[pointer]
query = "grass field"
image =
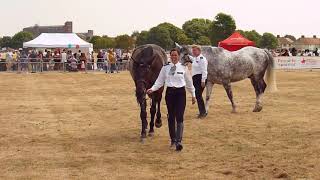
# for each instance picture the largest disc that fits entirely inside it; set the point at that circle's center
(86, 126)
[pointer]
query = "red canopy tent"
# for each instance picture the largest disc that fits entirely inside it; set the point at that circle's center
(235, 42)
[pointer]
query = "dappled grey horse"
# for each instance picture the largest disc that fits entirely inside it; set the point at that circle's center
(225, 67)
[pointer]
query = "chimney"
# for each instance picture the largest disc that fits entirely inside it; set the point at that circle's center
(302, 36)
(278, 36)
(314, 36)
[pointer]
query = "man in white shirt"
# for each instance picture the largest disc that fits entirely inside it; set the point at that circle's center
(199, 77)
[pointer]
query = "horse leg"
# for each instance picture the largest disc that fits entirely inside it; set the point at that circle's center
(259, 87)
(159, 121)
(228, 89)
(143, 116)
(208, 94)
(152, 113)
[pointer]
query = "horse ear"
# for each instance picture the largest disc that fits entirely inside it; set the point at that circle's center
(147, 52)
(177, 45)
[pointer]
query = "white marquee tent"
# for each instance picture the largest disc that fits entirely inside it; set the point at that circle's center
(59, 40)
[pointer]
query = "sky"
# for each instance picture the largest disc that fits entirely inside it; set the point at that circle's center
(116, 17)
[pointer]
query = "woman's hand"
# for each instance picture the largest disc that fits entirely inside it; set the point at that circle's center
(193, 100)
(149, 91)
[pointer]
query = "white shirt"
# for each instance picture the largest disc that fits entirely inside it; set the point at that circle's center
(200, 66)
(63, 57)
(181, 78)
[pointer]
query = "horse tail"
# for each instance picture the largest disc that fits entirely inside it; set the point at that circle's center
(270, 75)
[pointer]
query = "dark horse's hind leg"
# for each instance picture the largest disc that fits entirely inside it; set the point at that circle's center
(143, 116)
(152, 113)
(159, 121)
(259, 87)
(228, 89)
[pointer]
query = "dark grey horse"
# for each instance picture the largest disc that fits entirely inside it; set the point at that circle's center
(225, 67)
(145, 65)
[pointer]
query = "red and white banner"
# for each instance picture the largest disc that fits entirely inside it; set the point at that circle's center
(297, 62)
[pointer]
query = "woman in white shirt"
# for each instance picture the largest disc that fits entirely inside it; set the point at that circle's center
(177, 79)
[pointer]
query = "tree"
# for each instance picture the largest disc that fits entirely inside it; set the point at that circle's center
(6, 41)
(124, 42)
(19, 38)
(142, 38)
(291, 37)
(269, 41)
(160, 36)
(103, 42)
(222, 27)
(183, 39)
(252, 36)
(203, 40)
(197, 28)
(94, 40)
(174, 31)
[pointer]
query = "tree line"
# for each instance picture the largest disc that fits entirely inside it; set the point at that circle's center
(196, 31)
(17, 40)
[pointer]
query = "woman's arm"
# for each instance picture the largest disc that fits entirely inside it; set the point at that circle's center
(159, 82)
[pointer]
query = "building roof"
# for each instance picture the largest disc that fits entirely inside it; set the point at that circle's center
(283, 40)
(308, 41)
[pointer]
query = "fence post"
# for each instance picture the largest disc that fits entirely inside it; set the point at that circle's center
(41, 65)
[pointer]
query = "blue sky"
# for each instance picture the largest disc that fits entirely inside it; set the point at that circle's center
(114, 17)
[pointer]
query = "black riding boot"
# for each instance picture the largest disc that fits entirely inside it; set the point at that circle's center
(179, 136)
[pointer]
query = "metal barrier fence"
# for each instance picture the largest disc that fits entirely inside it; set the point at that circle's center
(55, 65)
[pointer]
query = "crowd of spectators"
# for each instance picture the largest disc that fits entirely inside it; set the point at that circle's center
(295, 52)
(109, 60)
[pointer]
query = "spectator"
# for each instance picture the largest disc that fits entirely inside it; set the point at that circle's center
(63, 59)
(40, 61)
(57, 61)
(46, 60)
(24, 61)
(294, 52)
(83, 60)
(112, 61)
(33, 61)
(118, 62)
(100, 61)
(9, 60)
(73, 63)
(316, 52)
(106, 61)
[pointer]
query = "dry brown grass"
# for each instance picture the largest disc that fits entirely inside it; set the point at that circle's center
(86, 126)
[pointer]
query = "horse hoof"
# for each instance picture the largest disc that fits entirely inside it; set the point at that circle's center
(257, 109)
(234, 111)
(151, 134)
(142, 140)
(158, 124)
(143, 136)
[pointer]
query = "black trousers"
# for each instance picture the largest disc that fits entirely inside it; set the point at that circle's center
(176, 104)
(199, 90)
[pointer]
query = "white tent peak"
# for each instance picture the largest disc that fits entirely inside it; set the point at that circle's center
(57, 40)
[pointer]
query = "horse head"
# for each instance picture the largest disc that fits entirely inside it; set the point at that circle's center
(185, 54)
(142, 65)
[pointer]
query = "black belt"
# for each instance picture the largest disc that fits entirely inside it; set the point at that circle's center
(175, 88)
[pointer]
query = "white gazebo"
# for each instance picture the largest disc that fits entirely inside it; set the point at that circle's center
(60, 40)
